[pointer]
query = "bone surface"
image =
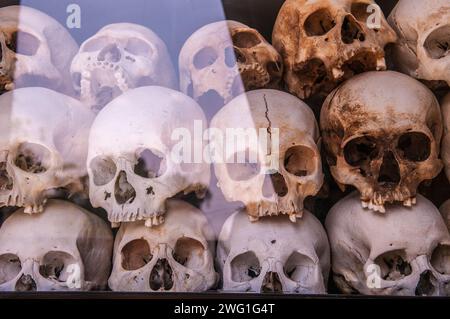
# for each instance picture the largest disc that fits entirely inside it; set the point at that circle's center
(381, 132)
(328, 41)
(63, 248)
(445, 149)
(43, 146)
(36, 50)
(176, 256)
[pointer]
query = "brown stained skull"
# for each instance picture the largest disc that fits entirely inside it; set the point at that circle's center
(382, 132)
(326, 42)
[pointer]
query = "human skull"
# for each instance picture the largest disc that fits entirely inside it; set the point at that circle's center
(328, 41)
(222, 59)
(381, 132)
(43, 146)
(64, 248)
(445, 149)
(117, 58)
(35, 50)
(405, 252)
(271, 175)
(423, 49)
(177, 256)
(132, 160)
(274, 255)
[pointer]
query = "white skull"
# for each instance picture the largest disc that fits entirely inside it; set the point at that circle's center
(131, 164)
(274, 255)
(64, 248)
(325, 42)
(117, 58)
(176, 256)
(222, 59)
(405, 252)
(43, 146)
(423, 49)
(266, 189)
(35, 50)
(445, 148)
(382, 132)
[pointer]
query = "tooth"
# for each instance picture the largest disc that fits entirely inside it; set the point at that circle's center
(253, 218)
(28, 210)
(155, 220)
(293, 218)
(381, 64)
(161, 219)
(337, 73)
(414, 200)
(365, 204)
(407, 202)
(10, 86)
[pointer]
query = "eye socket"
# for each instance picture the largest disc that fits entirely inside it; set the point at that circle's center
(55, 265)
(437, 43)
(245, 39)
(393, 265)
(32, 158)
(359, 11)
(189, 253)
(245, 267)
(10, 267)
(299, 268)
(319, 23)
(440, 259)
(103, 170)
(230, 58)
(243, 166)
(149, 164)
(138, 47)
(96, 44)
(23, 43)
(204, 58)
(299, 161)
(360, 150)
(414, 146)
(136, 254)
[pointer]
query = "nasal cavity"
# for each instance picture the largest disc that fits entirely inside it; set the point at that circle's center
(124, 192)
(271, 283)
(161, 276)
(110, 53)
(25, 283)
(425, 286)
(389, 171)
(274, 183)
(351, 30)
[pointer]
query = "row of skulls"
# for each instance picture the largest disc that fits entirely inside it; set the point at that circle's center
(382, 141)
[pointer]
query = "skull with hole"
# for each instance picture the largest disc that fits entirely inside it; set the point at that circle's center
(117, 58)
(222, 59)
(445, 148)
(176, 256)
(275, 163)
(43, 146)
(274, 255)
(64, 248)
(406, 252)
(135, 161)
(381, 132)
(423, 49)
(35, 50)
(328, 41)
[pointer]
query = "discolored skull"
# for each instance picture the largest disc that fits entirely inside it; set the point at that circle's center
(176, 256)
(328, 41)
(274, 255)
(64, 248)
(423, 49)
(117, 58)
(405, 252)
(381, 132)
(269, 159)
(222, 59)
(133, 161)
(43, 146)
(35, 50)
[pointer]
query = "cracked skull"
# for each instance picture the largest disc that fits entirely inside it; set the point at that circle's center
(43, 146)
(406, 252)
(35, 50)
(275, 163)
(222, 59)
(274, 255)
(175, 256)
(381, 132)
(118, 58)
(64, 248)
(423, 49)
(133, 162)
(328, 41)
